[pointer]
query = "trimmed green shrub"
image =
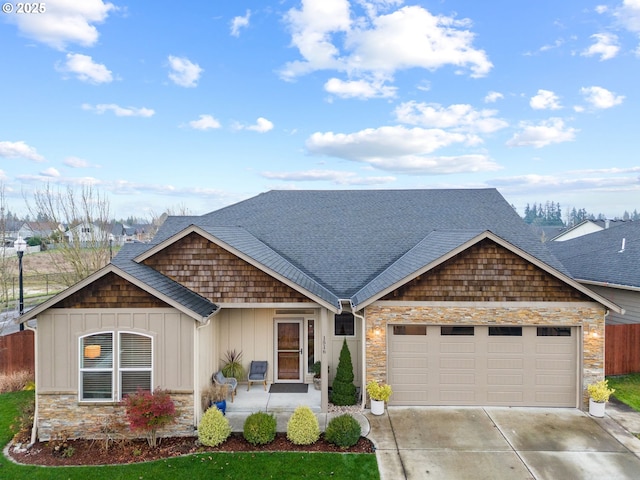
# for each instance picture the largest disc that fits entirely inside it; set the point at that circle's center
(214, 428)
(303, 427)
(259, 428)
(343, 390)
(343, 431)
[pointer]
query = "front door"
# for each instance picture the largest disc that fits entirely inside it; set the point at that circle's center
(289, 346)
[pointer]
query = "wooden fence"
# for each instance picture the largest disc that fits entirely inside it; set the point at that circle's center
(17, 352)
(622, 349)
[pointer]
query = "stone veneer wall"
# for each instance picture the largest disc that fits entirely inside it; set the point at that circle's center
(62, 416)
(589, 316)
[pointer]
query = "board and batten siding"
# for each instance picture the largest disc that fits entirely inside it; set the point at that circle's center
(627, 299)
(59, 331)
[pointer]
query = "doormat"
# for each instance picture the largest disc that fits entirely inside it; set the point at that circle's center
(288, 388)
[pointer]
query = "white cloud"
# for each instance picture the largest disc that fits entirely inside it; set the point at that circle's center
(262, 125)
(65, 22)
(359, 89)
(205, 122)
(460, 117)
(75, 162)
(545, 133)
(86, 69)
(629, 15)
(545, 100)
(119, 111)
(19, 150)
(50, 172)
(493, 97)
(606, 45)
(240, 22)
(600, 97)
(184, 72)
(379, 45)
(334, 176)
(398, 148)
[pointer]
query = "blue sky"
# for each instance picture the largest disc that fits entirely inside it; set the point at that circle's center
(202, 104)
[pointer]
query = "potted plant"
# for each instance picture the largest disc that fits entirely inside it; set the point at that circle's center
(317, 371)
(379, 394)
(599, 393)
(233, 365)
(215, 395)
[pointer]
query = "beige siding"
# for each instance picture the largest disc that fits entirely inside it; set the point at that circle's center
(355, 345)
(246, 330)
(59, 331)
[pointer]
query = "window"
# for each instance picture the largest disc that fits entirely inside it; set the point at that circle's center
(409, 329)
(554, 331)
(99, 367)
(457, 331)
(310, 345)
(505, 331)
(344, 325)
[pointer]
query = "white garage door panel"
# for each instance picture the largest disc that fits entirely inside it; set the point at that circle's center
(480, 369)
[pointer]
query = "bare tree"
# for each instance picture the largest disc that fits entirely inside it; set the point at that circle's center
(79, 221)
(5, 267)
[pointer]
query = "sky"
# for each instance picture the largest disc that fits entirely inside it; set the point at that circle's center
(198, 105)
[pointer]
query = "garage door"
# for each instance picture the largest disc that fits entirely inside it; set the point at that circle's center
(483, 365)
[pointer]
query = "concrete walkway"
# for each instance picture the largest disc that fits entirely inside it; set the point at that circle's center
(505, 443)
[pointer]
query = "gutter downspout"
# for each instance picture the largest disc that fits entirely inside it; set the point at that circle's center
(34, 428)
(196, 365)
(363, 376)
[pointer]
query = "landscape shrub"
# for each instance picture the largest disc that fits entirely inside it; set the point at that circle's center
(343, 431)
(214, 428)
(259, 428)
(343, 390)
(147, 412)
(15, 381)
(303, 427)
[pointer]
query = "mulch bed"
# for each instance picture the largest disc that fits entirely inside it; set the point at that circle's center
(94, 452)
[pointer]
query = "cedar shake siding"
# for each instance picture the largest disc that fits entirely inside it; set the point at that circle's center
(216, 274)
(486, 272)
(110, 291)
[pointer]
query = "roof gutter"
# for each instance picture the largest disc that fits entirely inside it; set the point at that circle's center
(34, 428)
(206, 321)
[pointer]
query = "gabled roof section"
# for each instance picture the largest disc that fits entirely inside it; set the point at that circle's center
(599, 258)
(244, 245)
(156, 284)
(438, 247)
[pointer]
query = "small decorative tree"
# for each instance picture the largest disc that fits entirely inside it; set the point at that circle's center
(344, 391)
(147, 412)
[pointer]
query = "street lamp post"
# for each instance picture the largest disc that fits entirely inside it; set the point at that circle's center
(20, 245)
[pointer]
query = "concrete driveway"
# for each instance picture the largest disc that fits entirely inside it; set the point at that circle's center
(501, 443)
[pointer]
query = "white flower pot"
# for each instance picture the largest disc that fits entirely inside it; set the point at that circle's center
(596, 409)
(377, 407)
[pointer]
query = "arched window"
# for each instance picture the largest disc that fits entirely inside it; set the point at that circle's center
(114, 365)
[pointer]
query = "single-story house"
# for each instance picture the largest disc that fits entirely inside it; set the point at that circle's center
(444, 294)
(608, 262)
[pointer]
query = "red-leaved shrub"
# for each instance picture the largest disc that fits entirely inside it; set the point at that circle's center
(149, 411)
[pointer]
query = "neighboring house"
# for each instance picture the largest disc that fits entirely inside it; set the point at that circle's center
(584, 228)
(122, 233)
(608, 262)
(38, 229)
(87, 234)
(444, 294)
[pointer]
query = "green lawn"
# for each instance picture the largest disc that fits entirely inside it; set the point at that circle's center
(627, 389)
(258, 465)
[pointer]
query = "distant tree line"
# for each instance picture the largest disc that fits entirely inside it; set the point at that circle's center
(549, 214)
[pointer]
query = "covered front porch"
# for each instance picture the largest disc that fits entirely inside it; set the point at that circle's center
(259, 400)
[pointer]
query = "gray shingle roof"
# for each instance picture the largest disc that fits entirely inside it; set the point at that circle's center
(598, 257)
(159, 282)
(354, 243)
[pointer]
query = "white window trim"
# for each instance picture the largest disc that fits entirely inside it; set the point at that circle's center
(116, 377)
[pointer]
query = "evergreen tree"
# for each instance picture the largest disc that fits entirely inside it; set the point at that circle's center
(344, 391)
